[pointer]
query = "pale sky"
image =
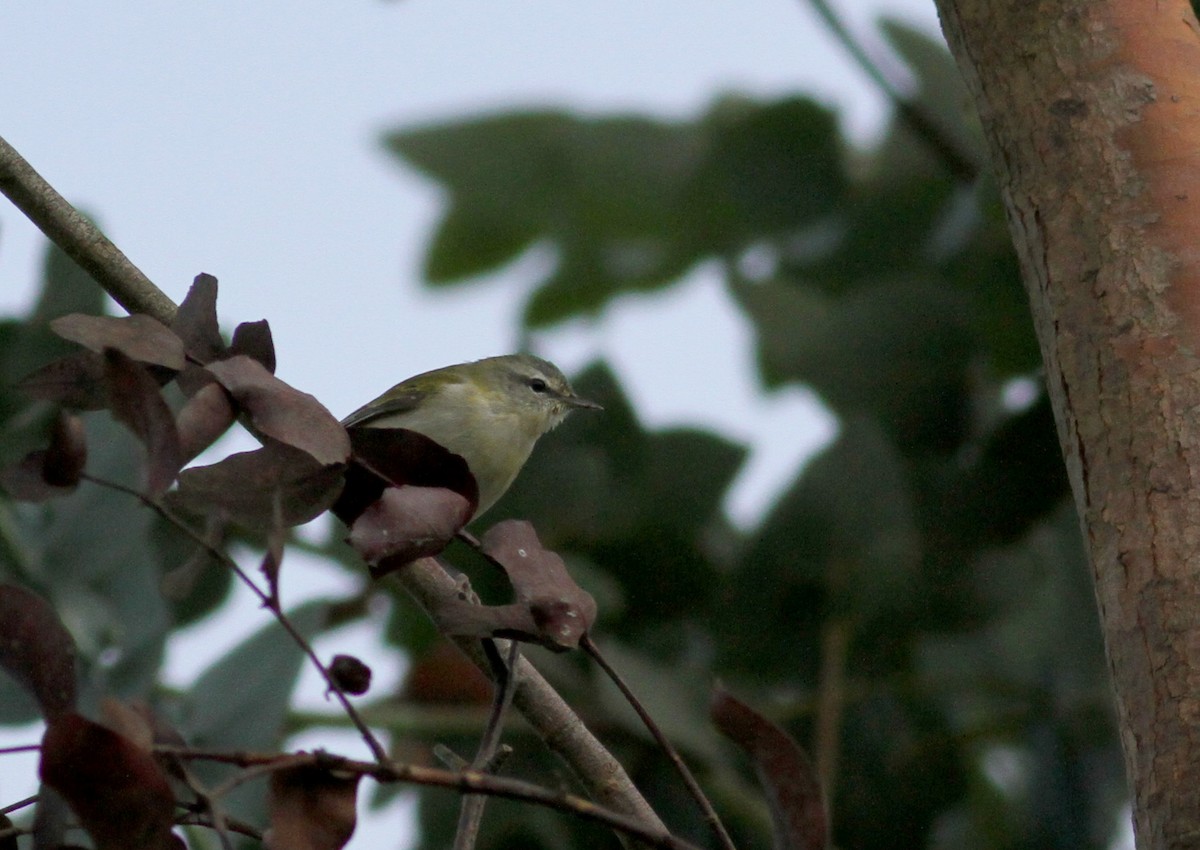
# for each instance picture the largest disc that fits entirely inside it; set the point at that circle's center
(242, 139)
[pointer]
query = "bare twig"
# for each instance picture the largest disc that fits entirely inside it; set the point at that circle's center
(467, 782)
(471, 814)
(79, 239)
(20, 804)
(685, 773)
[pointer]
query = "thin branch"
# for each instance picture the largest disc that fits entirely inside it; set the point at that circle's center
(467, 782)
(685, 773)
(961, 163)
(21, 748)
(547, 712)
(79, 239)
(831, 703)
(268, 602)
(20, 804)
(470, 815)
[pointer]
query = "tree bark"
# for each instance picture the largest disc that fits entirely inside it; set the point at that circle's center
(1092, 116)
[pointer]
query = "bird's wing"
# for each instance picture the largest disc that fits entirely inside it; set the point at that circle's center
(399, 399)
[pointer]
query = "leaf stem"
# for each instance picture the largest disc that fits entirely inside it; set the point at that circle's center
(685, 773)
(267, 600)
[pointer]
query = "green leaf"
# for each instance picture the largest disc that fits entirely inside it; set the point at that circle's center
(241, 701)
(843, 543)
(626, 204)
(899, 352)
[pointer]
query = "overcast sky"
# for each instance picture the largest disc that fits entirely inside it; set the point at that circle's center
(242, 139)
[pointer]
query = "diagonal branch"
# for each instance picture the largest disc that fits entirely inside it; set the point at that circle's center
(79, 239)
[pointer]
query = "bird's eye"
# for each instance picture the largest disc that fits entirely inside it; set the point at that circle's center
(537, 385)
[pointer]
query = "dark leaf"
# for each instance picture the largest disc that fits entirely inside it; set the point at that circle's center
(36, 650)
(791, 784)
(138, 337)
(406, 523)
(116, 789)
(244, 487)
(75, 381)
(51, 472)
(898, 352)
(253, 339)
(399, 457)
(550, 609)
(203, 419)
(25, 481)
(9, 842)
(311, 808)
(67, 455)
(351, 675)
(196, 320)
(281, 411)
(135, 399)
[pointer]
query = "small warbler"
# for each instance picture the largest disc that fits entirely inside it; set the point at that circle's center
(490, 412)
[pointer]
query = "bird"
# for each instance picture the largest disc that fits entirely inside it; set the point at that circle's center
(490, 412)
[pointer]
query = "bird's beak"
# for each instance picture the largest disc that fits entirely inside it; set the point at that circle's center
(581, 403)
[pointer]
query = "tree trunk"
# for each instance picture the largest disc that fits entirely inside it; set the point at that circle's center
(1092, 117)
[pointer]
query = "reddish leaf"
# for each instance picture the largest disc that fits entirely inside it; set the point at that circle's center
(26, 481)
(206, 416)
(244, 487)
(53, 471)
(116, 789)
(311, 808)
(253, 339)
(444, 675)
(67, 454)
(793, 789)
(550, 610)
(196, 320)
(76, 382)
(281, 411)
(398, 457)
(135, 400)
(37, 650)
(9, 842)
(138, 337)
(406, 523)
(128, 722)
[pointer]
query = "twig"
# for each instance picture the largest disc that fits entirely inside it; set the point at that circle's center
(20, 804)
(961, 164)
(504, 672)
(831, 702)
(272, 605)
(230, 824)
(554, 721)
(693, 787)
(467, 781)
(22, 748)
(79, 238)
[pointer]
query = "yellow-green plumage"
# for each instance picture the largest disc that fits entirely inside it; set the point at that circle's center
(491, 412)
